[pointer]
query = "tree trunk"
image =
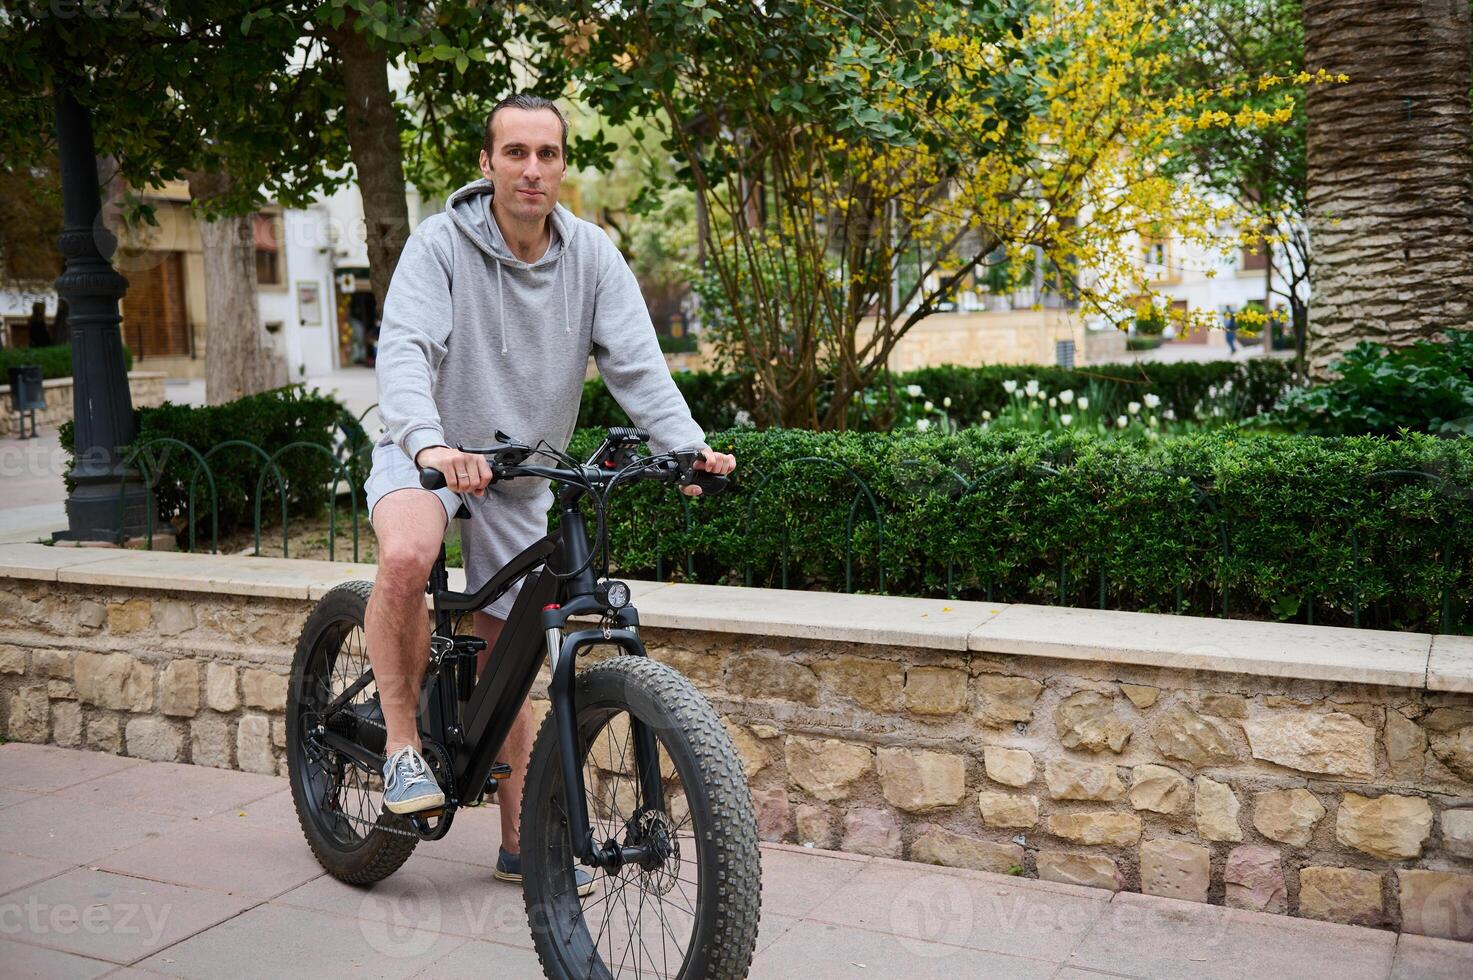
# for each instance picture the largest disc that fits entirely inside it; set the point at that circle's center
(378, 158)
(236, 361)
(1390, 156)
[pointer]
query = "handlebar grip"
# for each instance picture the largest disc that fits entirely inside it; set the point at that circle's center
(431, 479)
(708, 482)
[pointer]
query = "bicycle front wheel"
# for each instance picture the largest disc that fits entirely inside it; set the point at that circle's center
(690, 911)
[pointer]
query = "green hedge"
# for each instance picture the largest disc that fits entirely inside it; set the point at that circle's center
(55, 361)
(1270, 527)
(1256, 384)
(271, 420)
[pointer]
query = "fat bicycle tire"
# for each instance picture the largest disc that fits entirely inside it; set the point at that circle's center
(725, 900)
(340, 811)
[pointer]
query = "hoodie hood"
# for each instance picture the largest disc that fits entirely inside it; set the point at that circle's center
(469, 208)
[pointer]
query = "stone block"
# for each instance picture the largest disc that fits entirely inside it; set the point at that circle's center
(61, 691)
(209, 742)
(935, 691)
(939, 846)
(1255, 879)
(814, 825)
(703, 667)
(221, 692)
(1159, 789)
(1086, 720)
(1341, 895)
(263, 689)
(1390, 826)
(1004, 701)
(87, 614)
(1287, 815)
(874, 684)
(774, 816)
(1186, 736)
(919, 780)
(1140, 696)
(173, 616)
(825, 768)
(1007, 810)
(1406, 746)
(278, 737)
(1225, 705)
(1334, 744)
(753, 675)
(752, 752)
(868, 830)
(1175, 869)
(12, 659)
(1457, 832)
(1217, 811)
(1436, 903)
(1071, 780)
(114, 680)
(66, 724)
(179, 689)
(1454, 749)
(105, 732)
(130, 616)
(253, 745)
(54, 664)
(1011, 767)
(1104, 829)
(30, 715)
(153, 739)
(1089, 870)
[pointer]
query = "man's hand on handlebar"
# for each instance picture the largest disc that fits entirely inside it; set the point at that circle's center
(721, 464)
(464, 472)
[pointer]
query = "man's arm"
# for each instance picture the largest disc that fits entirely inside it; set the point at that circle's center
(631, 362)
(412, 339)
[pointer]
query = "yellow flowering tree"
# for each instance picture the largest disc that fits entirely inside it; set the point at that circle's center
(860, 161)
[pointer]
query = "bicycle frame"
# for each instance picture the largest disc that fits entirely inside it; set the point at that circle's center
(471, 724)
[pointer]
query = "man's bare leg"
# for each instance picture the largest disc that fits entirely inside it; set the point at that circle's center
(409, 525)
(517, 750)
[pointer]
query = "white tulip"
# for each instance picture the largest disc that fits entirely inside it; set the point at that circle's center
(913, 391)
(1122, 421)
(946, 402)
(1032, 388)
(1053, 403)
(1134, 408)
(1010, 386)
(930, 407)
(1066, 396)
(986, 415)
(1153, 421)
(1152, 400)
(923, 424)
(1066, 419)
(1083, 403)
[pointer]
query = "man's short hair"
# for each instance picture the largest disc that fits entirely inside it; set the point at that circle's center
(531, 103)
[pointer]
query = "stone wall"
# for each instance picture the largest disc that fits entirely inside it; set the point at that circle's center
(1350, 803)
(145, 387)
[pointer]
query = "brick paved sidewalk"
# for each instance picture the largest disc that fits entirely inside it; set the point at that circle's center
(110, 865)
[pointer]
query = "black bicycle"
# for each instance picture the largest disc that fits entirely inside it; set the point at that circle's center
(632, 774)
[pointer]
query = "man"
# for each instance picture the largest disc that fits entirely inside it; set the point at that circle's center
(488, 323)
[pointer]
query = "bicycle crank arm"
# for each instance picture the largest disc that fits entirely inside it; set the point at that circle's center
(364, 759)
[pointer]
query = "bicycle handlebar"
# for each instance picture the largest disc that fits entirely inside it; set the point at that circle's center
(667, 471)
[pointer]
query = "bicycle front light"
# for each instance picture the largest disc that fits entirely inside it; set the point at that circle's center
(612, 593)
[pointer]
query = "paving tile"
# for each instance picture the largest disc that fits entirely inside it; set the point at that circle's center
(275, 811)
(278, 941)
(1159, 937)
(113, 917)
(241, 861)
(9, 796)
(1425, 958)
(170, 787)
(1323, 653)
(979, 911)
(477, 960)
(437, 896)
(18, 870)
(45, 768)
(25, 960)
(63, 830)
(39, 562)
(474, 838)
(794, 884)
(818, 950)
(773, 927)
(938, 624)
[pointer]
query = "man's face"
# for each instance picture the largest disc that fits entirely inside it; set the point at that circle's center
(526, 165)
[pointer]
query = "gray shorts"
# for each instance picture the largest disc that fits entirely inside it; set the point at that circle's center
(500, 527)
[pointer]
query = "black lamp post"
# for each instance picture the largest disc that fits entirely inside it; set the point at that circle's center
(108, 502)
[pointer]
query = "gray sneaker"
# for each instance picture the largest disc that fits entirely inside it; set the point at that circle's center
(408, 784)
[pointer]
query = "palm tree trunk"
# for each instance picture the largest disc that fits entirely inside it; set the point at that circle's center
(236, 362)
(1390, 160)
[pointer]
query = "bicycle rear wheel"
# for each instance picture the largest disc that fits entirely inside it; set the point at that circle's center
(694, 911)
(339, 806)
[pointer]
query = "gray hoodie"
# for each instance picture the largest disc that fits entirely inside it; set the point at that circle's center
(474, 340)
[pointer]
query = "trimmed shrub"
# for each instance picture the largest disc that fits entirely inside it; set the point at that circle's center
(1225, 522)
(272, 421)
(55, 361)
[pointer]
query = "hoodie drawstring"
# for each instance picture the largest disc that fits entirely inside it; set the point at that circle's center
(500, 305)
(567, 317)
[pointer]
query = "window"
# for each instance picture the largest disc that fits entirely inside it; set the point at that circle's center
(1255, 259)
(266, 231)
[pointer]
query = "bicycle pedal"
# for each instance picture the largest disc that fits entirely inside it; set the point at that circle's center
(500, 771)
